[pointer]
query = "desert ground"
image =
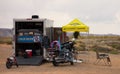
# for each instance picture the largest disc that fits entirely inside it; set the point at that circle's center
(87, 67)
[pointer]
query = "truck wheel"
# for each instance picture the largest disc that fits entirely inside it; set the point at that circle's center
(8, 65)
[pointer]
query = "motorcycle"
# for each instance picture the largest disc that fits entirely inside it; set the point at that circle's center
(10, 62)
(65, 55)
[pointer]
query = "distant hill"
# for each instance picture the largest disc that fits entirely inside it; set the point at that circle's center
(5, 32)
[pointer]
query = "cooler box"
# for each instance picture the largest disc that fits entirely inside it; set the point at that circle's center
(29, 52)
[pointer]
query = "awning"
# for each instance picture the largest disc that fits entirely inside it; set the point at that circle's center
(75, 25)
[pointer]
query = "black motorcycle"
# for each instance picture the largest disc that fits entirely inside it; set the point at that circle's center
(65, 55)
(10, 62)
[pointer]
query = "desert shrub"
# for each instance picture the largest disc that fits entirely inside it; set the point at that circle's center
(104, 49)
(9, 42)
(100, 49)
(80, 46)
(115, 45)
(6, 40)
(114, 52)
(118, 39)
(1, 42)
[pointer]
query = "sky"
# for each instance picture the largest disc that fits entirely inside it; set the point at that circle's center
(102, 16)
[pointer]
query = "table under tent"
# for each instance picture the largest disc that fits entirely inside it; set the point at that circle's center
(78, 26)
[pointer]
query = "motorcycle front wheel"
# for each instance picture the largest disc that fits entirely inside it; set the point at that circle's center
(72, 63)
(54, 62)
(8, 65)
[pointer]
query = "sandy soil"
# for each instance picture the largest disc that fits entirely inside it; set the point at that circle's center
(88, 67)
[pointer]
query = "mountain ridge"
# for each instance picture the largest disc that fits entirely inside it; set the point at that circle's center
(5, 32)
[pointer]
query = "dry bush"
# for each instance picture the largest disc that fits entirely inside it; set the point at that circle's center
(80, 46)
(118, 38)
(109, 44)
(115, 45)
(5, 40)
(100, 48)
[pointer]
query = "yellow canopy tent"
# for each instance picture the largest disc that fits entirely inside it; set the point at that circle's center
(75, 25)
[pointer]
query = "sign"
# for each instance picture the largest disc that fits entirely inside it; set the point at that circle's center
(28, 39)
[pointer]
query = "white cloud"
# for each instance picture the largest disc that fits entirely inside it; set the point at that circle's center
(102, 28)
(95, 13)
(59, 18)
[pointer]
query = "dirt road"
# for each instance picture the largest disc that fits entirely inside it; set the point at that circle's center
(47, 68)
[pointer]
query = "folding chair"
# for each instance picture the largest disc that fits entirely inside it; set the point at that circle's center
(103, 56)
